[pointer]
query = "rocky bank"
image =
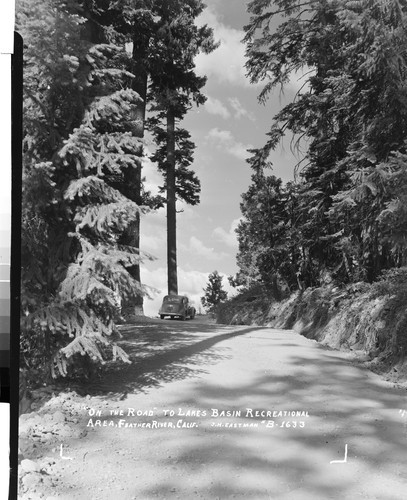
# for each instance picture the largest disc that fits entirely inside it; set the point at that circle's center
(370, 320)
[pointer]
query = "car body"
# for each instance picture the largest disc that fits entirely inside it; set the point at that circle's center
(176, 306)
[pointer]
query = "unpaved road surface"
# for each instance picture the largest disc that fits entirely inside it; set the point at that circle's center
(183, 376)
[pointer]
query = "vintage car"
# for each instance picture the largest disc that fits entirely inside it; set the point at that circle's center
(176, 306)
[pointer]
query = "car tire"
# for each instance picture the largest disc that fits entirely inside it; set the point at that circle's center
(183, 317)
(162, 316)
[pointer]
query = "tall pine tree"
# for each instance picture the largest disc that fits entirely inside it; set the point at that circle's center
(174, 87)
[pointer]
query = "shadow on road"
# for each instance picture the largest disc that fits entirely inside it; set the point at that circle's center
(345, 407)
(162, 353)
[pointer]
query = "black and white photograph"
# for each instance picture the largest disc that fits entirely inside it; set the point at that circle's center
(213, 250)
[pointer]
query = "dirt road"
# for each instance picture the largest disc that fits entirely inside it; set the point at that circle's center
(220, 412)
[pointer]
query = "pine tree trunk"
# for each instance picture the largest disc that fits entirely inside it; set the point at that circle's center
(171, 207)
(135, 308)
(140, 86)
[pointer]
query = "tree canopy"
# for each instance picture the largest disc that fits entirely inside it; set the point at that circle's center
(342, 218)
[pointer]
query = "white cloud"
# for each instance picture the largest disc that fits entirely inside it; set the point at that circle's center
(153, 178)
(151, 243)
(239, 110)
(154, 222)
(221, 136)
(228, 237)
(185, 213)
(153, 233)
(196, 247)
(226, 63)
(298, 81)
(216, 107)
(224, 139)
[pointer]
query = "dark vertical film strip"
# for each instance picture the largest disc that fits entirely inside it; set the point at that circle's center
(15, 254)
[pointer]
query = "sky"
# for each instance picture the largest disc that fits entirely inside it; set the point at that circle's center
(230, 122)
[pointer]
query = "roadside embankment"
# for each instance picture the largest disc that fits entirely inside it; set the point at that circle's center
(368, 319)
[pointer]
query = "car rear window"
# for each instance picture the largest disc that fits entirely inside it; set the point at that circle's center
(176, 300)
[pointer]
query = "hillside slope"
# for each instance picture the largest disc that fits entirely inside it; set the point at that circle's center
(370, 320)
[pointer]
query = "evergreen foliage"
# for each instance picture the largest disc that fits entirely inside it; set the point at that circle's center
(131, 23)
(187, 184)
(79, 145)
(214, 292)
(344, 217)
